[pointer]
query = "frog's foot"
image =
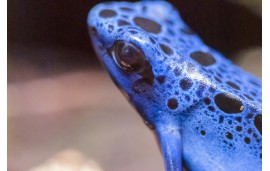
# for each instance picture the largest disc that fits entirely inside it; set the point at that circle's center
(171, 147)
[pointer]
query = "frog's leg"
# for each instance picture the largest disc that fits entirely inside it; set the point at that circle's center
(171, 147)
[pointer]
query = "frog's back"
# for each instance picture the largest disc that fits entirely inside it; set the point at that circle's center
(216, 104)
(223, 124)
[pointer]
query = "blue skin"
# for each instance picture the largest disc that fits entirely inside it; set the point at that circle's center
(205, 111)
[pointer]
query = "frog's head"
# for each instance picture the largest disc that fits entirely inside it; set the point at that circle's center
(134, 41)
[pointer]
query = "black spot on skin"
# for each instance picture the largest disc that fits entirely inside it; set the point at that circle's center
(242, 97)
(187, 31)
(139, 86)
(239, 128)
(169, 86)
(207, 101)
(200, 90)
(172, 103)
(166, 49)
(238, 81)
(212, 89)
(123, 23)
(221, 119)
(260, 155)
(125, 16)
(247, 96)
(107, 13)
(217, 79)
(231, 84)
(247, 140)
(144, 8)
(203, 132)
(187, 98)
(249, 130)
(239, 119)
(169, 67)
(219, 75)
(249, 115)
(133, 32)
(119, 30)
(255, 135)
(228, 103)
(205, 70)
(100, 24)
(222, 70)
(211, 71)
(110, 28)
(171, 32)
(195, 101)
(211, 108)
(177, 71)
(205, 59)
(258, 122)
(229, 135)
(182, 40)
(148, 25)
(126, 9)
(254, 83)
(186, 84)
(253, 94)
(161, 79)
(152, 40)
(169, 22)
(166, 40)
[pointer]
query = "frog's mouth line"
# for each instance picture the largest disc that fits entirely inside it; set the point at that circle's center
(96, 41)
(101, 52)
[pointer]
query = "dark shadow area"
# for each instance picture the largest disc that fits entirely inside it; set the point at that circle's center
(52, 36)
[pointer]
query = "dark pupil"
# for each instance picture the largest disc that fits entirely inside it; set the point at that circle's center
(129, 57)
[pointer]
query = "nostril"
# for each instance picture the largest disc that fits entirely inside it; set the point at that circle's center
(92, 30)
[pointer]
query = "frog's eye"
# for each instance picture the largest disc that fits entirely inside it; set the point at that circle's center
(128, 57)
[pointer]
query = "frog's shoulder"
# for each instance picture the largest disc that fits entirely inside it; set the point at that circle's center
(204, 73)
(227, 77)
(218, 86)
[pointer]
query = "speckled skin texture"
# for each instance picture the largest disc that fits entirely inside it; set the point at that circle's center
(205, 110)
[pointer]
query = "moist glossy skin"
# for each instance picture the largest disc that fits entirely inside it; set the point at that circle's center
(181, 85)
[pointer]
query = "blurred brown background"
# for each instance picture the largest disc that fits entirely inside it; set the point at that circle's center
(60, 98)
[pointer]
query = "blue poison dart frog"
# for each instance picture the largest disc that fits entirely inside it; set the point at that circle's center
(205, 111)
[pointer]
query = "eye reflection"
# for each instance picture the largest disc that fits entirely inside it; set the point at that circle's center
(128, 57)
